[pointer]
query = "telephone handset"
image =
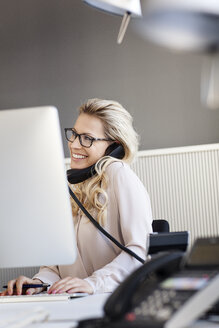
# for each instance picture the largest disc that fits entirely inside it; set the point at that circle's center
(79, 175)
(169, 291)
(122, 298)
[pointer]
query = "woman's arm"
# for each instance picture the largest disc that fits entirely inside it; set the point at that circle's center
(126, 192)
(128, 208)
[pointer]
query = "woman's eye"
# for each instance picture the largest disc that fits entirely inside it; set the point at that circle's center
(87, 138)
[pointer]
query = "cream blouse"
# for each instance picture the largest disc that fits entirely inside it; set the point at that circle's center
(100, 262)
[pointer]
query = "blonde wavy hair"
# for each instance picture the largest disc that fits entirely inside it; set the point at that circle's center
(118, 126)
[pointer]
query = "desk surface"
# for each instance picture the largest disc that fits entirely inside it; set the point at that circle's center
(65, 314)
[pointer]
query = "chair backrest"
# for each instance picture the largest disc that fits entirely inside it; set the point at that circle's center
(160, 225)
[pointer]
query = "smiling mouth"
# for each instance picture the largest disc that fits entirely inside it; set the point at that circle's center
(78, 156)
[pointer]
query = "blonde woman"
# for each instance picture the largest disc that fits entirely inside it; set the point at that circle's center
(102, 143)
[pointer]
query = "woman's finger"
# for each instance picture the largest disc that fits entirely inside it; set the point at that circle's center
(10, 289)
(15, 286)
(69, 284)
(74, 285)
(61, 288)
(19, 283)
(76, 290)
(84, 287)
(59, 285)
(32, 291)
(4, 293)
(65, 288)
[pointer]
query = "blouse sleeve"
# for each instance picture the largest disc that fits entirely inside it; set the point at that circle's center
(135, 220)
(48, 275)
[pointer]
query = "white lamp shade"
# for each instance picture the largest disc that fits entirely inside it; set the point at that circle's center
(183, 25)
(204, 6)
(118, 7)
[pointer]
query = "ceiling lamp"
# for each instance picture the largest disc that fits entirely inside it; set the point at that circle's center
(124, 8)
(181, 25)
(187, 26)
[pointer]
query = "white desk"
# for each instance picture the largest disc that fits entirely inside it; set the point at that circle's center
(65, 314)
(61, 313)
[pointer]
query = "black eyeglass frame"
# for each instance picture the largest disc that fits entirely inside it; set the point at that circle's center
(92, 139)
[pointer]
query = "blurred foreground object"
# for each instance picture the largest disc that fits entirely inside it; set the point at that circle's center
(187, 26)
(210, 81)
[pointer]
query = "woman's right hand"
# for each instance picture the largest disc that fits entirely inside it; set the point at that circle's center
(15, 286)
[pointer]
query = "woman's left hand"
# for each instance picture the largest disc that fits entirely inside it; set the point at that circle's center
(70, 285)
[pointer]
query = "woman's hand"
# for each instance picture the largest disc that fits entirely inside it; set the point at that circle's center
(15, 286)
(70, 285)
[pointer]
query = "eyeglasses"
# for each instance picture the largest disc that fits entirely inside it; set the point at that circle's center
(84, 139)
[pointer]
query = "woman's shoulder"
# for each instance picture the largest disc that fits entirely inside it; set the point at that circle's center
(116, 166)
(121, 176)
(120, 169)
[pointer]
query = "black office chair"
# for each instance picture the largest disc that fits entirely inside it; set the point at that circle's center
(160, 225)
(163, 240)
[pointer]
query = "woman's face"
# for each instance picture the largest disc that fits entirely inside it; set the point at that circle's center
(82, 157)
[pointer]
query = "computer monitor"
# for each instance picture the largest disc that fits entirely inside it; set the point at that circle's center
(36, 226)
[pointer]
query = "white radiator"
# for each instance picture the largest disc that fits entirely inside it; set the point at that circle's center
(183, 184)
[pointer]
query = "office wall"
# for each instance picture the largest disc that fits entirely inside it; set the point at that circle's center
(61, 52)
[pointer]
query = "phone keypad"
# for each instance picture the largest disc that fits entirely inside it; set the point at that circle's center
(161, 304)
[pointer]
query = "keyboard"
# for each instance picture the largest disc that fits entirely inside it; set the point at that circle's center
(42, 297)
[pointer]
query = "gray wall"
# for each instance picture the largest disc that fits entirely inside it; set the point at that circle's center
(61, 52)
